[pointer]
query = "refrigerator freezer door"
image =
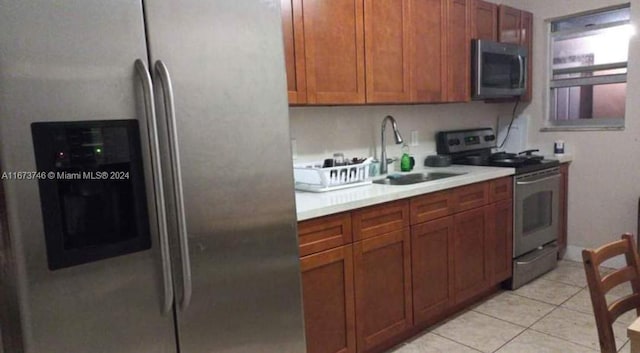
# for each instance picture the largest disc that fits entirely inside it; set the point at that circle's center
(226, 62)
(67, 61)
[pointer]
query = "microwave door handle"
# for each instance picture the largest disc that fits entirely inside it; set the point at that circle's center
(149, 106)
(170, 111)
(521, 77)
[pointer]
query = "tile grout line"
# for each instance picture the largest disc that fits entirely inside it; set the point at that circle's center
(454, 341)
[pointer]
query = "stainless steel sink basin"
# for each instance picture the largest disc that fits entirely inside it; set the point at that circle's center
(414, 178)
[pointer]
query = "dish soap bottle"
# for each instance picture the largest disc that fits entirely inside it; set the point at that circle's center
(405, 161)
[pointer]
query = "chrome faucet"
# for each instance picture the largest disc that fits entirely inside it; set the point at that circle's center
(383, 148)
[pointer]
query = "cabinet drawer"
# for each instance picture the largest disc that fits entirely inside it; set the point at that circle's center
(470, 196)
(380, 219)
(324, 233)
(500, 189)
(431, 206)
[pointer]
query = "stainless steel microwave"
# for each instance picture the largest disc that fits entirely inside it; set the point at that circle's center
(499, 70)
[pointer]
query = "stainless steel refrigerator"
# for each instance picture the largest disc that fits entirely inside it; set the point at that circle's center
(203, 84)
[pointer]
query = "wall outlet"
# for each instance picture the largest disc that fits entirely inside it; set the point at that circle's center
(414, 138)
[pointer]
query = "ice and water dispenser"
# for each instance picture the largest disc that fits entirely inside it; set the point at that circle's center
(92, 190)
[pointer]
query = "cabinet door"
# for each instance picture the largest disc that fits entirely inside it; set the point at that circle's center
(471, 263)
(500, 240)
(509, 27)
(484, 20)
(564, 194)
(428, 51)
(458, 51)
(501, 189)
(383, 288)
(526, 40)
(386, 24)
(432, 268)
(292, 31)
(334, 51)
(328, 297)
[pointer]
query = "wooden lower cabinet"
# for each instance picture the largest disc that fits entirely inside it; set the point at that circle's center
(501, 240)
(328, 296)
(383, 288)
(400, 276)
(472, 270)
(432, 269)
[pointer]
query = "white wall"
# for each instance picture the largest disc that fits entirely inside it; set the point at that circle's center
(604, 182)
(355, 130)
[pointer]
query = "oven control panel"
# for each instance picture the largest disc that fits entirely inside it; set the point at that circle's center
(448, 142)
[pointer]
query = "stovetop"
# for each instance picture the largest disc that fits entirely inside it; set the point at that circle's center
(473, 147)
(521, 164)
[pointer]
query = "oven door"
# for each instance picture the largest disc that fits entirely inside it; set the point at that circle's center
(537, 210)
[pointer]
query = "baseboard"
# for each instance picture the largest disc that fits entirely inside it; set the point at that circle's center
(574, 253)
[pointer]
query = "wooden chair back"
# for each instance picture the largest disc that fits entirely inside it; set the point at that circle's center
(599, 285)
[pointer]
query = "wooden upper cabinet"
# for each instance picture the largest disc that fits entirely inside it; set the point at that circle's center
(328, 298)
(516, 26)
(509, 25)
(382, 268)
(292, 30)
(458, 50)
(484, 20)
(334, 51)
(428, 51)
(387, 28)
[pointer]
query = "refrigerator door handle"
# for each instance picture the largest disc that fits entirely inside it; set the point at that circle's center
(169, 108)
(150, 111)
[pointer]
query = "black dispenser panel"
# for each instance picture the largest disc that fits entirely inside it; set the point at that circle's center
(92, 190)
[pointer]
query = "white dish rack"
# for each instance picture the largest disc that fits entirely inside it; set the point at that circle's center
(312, 177)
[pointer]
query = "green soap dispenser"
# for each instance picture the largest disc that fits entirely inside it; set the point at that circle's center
(405, 161)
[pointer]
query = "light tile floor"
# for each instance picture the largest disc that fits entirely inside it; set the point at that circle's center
(552, 314)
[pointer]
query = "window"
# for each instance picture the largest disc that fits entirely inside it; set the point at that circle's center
(588, 69)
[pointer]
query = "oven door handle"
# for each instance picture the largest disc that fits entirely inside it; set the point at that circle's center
(528, 182)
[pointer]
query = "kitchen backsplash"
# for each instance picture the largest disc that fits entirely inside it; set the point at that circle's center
(355, 130)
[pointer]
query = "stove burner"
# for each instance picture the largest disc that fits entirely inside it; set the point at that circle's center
(522, 163)
(476, 160)
(502, 155)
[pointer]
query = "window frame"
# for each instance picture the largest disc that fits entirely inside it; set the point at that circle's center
(550, 83)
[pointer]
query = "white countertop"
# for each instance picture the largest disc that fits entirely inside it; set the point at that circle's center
(562, 158)
(311, 205)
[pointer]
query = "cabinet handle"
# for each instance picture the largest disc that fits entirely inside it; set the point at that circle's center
(521, 62)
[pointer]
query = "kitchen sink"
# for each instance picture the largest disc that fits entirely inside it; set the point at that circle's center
(414, 178)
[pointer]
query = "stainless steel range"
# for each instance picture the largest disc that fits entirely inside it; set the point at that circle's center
(536, 197)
